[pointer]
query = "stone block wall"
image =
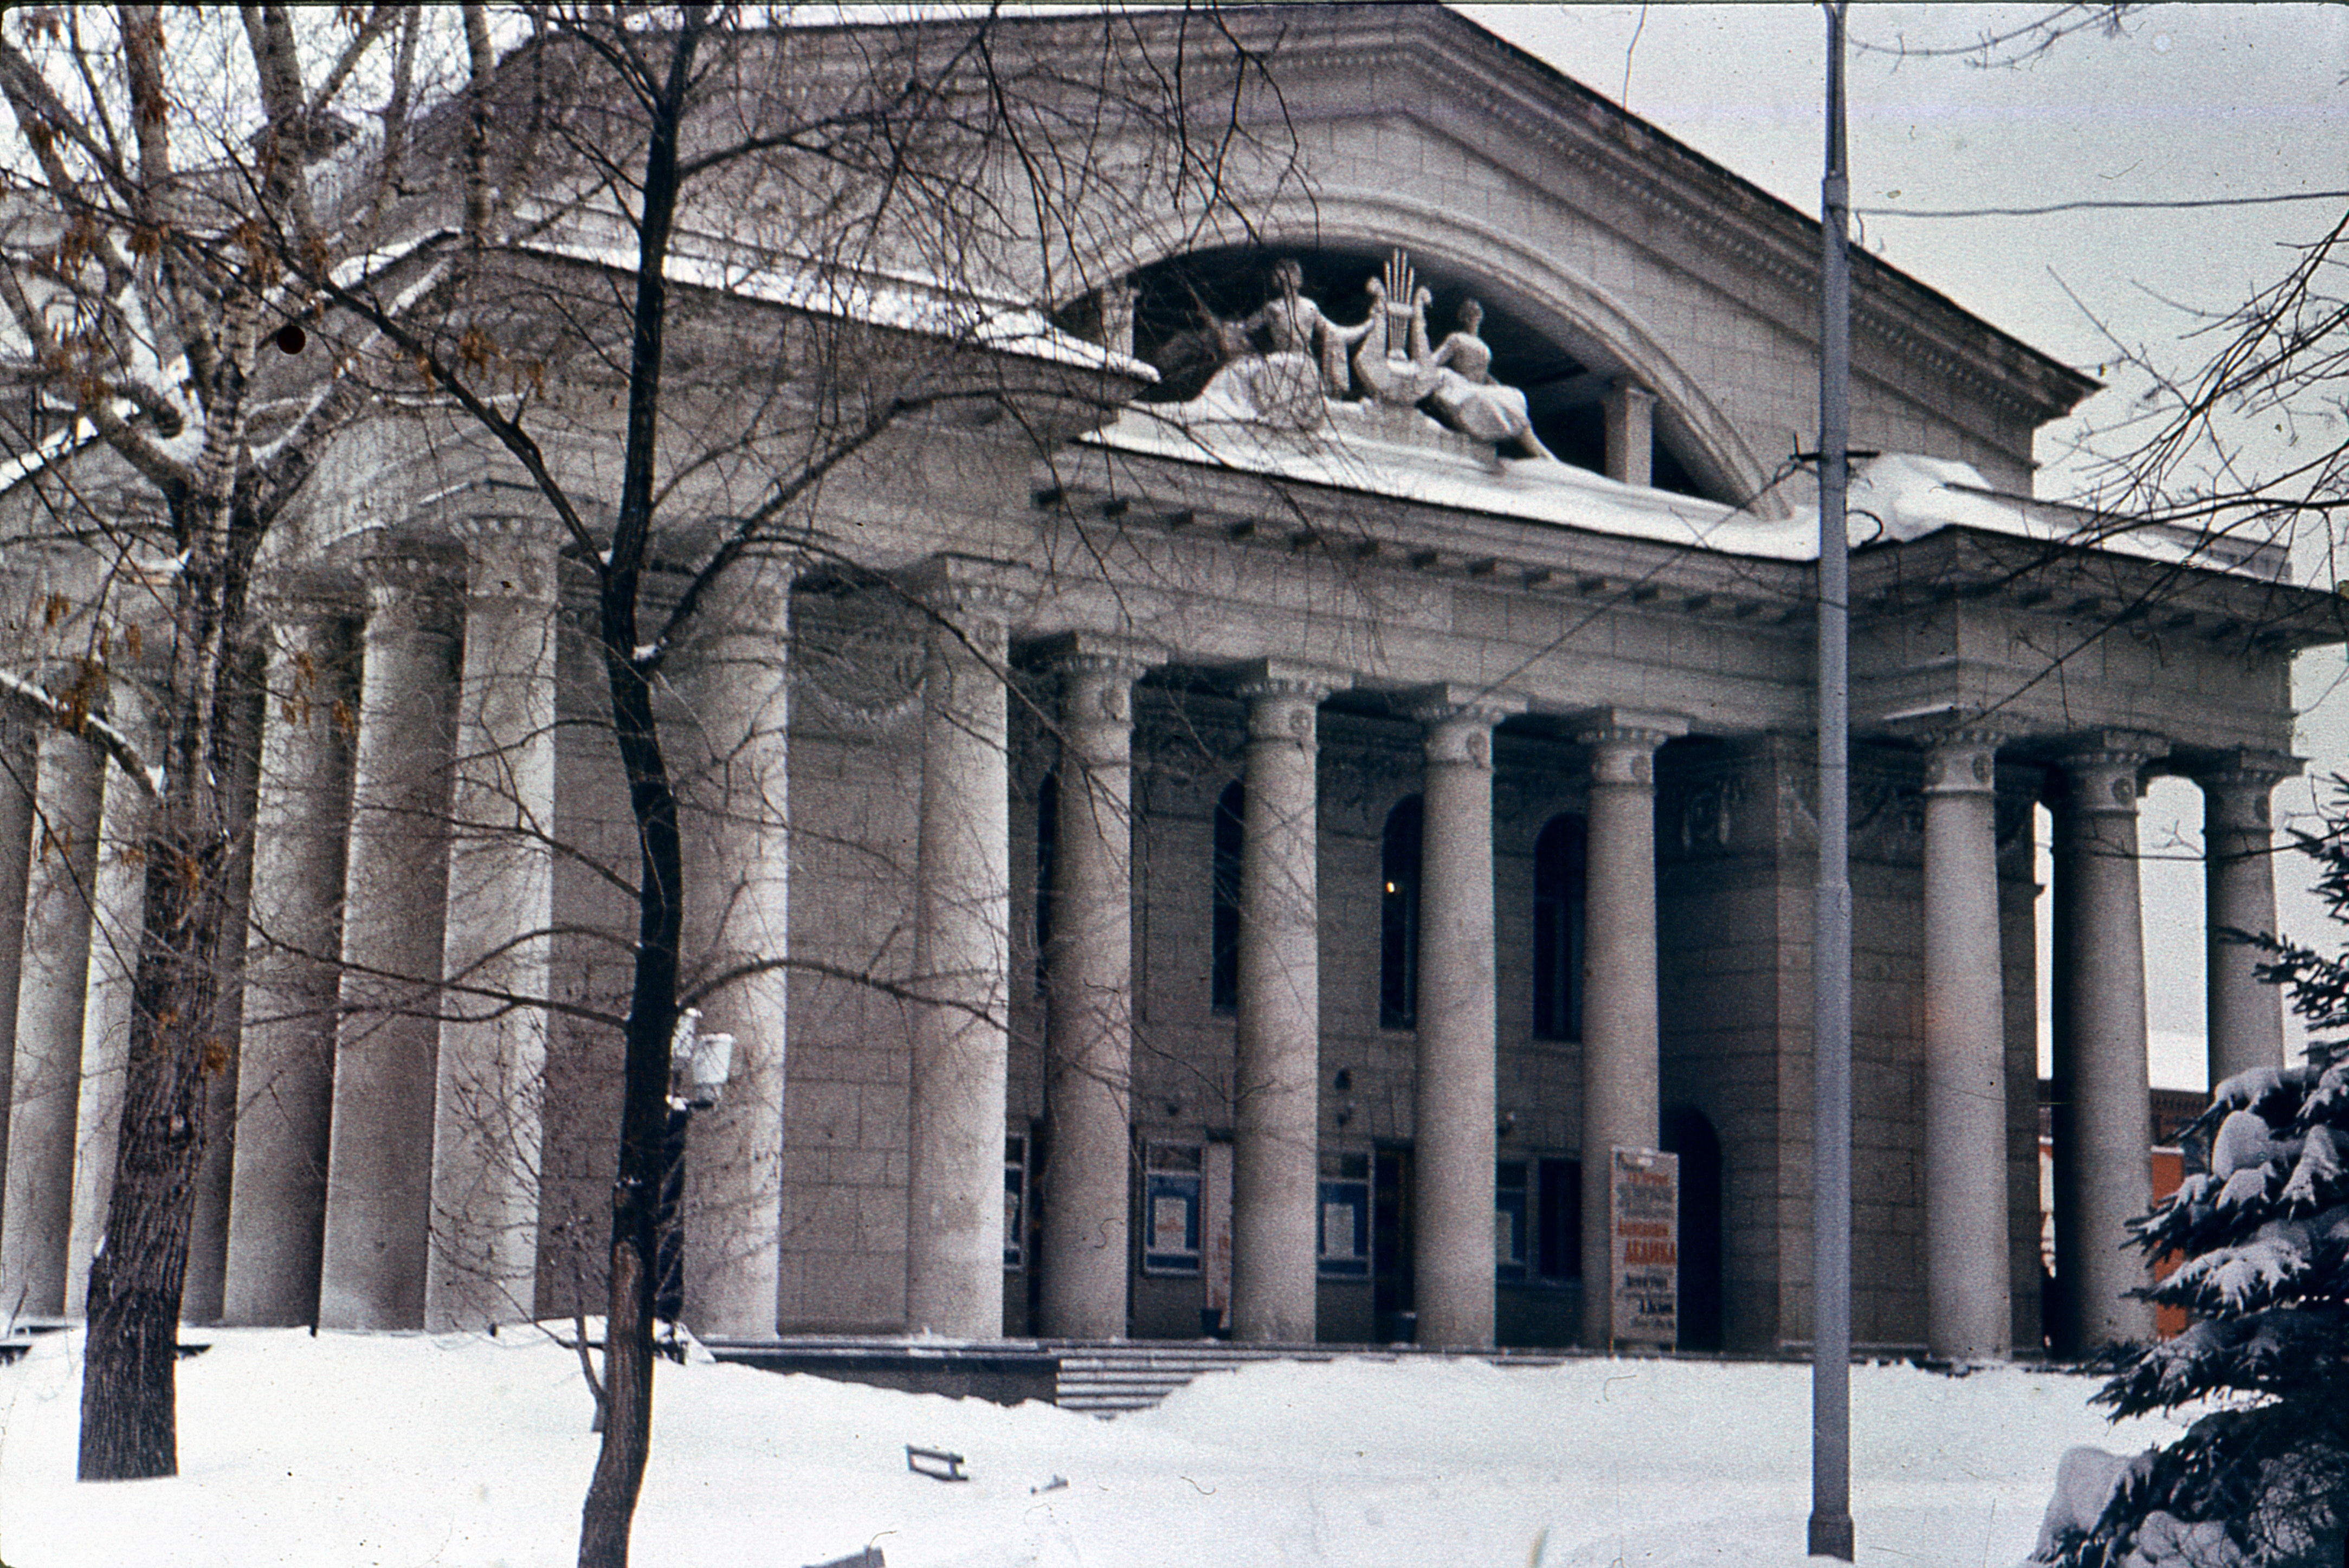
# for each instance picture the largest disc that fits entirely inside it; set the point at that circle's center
(855, 792)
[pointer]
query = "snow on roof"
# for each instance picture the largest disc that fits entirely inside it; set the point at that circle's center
(1896, 497)
(904, 303)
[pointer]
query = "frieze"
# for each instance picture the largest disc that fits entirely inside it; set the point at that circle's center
(1887, 811)
(1707, 812)
(859, 673)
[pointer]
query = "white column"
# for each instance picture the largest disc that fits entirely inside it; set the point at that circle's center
(285, 1065)
(54, 983)
(379, 1161)
(2102, 1115)
(1276, 1161)
(737, 845)
(2246, 1015)
(1968, 1305)
(118, 899)
(1630, 413)
(1089, 1029)
(19, 754)
(962, 939)
(490, 1070)
(1453, 1134)
(1620, 1069)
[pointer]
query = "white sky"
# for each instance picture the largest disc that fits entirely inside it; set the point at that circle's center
(2183, 103)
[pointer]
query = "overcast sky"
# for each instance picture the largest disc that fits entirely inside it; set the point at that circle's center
(2181, 103)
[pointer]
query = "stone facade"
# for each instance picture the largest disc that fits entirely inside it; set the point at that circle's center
(1278, 839)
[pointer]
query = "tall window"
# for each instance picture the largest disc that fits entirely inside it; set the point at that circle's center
(1223, 938)
(1399, 917)
(1558, 861)
(1048, 833)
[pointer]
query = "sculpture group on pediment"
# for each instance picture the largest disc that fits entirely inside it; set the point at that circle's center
(1286, 364)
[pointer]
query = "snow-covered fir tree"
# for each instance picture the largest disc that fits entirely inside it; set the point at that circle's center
(2262, 1477)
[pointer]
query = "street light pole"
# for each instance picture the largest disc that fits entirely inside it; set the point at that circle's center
(1830, 1522)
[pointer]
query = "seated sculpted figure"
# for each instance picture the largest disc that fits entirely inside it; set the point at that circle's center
(1294, 325)
(1468, 397)
(1288, 385)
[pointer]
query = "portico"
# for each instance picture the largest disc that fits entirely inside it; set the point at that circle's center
(1240, 856)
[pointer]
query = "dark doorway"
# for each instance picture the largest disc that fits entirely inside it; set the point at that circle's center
(1688, 1134)
(1391, 1302)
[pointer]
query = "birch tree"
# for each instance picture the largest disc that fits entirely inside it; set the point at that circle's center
(166, 164)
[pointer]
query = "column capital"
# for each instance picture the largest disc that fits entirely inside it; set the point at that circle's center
(1623, 743)
(1261, 678)
(1961, 759)
(963, 587)
(1459, 720)
(409, 591)
(1627, 727)
(1074, 655)
(2236, 784)
(1631, 394)
(2104, 768)
(511, 557)
(1452, 701)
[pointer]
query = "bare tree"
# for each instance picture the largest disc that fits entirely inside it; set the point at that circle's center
(2201, 449)
(757, 261)
(169, 163)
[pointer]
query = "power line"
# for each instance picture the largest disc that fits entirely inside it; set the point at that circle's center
(2088, 206)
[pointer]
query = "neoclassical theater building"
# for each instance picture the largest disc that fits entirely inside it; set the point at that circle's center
(1241, 860)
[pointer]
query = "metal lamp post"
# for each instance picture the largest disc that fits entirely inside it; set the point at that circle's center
(1830, 1522)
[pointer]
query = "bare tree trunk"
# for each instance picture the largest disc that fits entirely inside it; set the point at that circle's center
(611, 1504)
(128, 1428)
(128, 1425)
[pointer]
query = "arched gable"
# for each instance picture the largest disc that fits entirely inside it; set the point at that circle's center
(1568, 309)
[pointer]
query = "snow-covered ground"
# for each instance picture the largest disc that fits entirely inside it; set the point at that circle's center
(346, 1450)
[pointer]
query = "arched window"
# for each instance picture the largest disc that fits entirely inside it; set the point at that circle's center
(1399, 917)
(1558, 860)
(1223, 938)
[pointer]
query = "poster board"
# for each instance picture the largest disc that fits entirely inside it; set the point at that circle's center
(1643, 1246)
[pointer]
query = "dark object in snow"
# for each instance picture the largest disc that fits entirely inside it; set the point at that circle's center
(935, 1463)
(1055, 1484)
(868, 1558)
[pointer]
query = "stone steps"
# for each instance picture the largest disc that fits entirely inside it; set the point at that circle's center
(1102, 1378)
(1107, 1380)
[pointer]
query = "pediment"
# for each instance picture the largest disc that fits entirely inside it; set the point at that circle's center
(1603, 251)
